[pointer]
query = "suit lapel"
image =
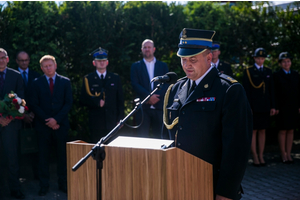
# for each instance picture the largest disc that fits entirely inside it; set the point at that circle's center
(56, 84)
(145, 72)
(6, 81)
(182, 94)
(107, 79)
(46, 85)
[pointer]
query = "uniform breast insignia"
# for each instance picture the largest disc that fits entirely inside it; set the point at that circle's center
(206, 86)
(206, 99)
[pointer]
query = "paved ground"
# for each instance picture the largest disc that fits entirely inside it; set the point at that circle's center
(274, 181)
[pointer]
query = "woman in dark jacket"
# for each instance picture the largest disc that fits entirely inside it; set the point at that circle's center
(287, 90)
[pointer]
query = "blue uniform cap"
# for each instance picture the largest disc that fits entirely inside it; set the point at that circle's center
(260, 52)
(194, 41)
(215, 46)
(284, 55)
(100, 54)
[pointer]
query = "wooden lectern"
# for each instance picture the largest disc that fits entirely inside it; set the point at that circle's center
(132, 172)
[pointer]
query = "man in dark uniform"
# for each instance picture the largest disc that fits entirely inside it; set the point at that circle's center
(222, 66)
(102, 93)
(259, 87)
(208, 114)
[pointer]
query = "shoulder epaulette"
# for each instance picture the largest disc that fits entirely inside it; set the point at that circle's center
(183, 78)
(228, 78)
(227, 62)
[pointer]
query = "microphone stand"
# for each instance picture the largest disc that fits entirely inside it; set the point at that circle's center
(98, 152)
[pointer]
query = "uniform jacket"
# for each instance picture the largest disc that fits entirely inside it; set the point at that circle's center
(141, 83)
(287, 91)
(261, 99)
(13, 82)
(215, 124)
(45, 105)
(114, 100)
(225, 68)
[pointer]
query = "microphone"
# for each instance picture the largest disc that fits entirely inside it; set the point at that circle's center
(170, 77)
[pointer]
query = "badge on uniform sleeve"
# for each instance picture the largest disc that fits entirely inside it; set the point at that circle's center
(112, 84)
(206, 99)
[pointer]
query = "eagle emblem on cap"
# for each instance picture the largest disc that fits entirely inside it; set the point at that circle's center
(184, 33)
(260, 52)
(285, 55)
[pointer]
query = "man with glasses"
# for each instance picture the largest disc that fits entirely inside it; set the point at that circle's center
(28, 75)
(10, 80)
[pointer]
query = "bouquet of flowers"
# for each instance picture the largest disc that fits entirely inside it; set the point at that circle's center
(12, 107)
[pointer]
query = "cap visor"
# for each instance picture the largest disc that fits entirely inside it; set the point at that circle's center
(189, 52)
(100, 58)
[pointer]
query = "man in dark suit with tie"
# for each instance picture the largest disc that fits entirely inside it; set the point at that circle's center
(212, 121)
(102, 94)
(10, 80)
(222, 66)
(141, 74)
(28, 75)
(51, 100)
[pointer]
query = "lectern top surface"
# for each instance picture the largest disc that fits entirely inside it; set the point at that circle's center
(137, 142)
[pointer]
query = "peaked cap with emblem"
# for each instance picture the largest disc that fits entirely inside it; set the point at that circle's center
(284, 55)
(260, 52)
(194, 41)
(100, 54)
(215, 46)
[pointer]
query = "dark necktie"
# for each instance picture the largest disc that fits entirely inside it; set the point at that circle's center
(51, 85)
(102, 80)
(192, 88)
(25, 77)
(1, 80)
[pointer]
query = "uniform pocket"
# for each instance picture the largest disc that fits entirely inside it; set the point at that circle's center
(205, 106)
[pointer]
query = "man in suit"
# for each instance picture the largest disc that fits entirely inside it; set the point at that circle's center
(208, 114)
(51, 100)
(142, 72)
(28, 75)
(10, 80)
(259, 86)
(102, 94)
(222, 66)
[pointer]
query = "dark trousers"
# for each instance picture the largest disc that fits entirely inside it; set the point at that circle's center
(152, 119)
(9, 139)
(46, 138)
(97, 125)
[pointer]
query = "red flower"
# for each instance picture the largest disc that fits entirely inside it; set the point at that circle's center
(17, 106)
(26, 108)
(15, 101)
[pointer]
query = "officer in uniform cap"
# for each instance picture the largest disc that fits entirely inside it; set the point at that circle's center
(259, 86)
(287, 95)
(222, 66)
(102, 94)
(208, 115)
